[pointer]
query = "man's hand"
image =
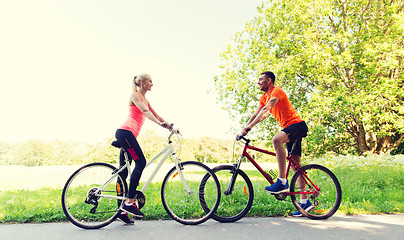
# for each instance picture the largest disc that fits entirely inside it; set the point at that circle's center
(245, 130)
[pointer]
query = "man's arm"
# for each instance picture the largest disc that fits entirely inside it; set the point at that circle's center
(257, 111)
(260, 115)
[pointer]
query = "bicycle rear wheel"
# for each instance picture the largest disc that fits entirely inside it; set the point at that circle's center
(233, 205)
(327, 200)
(88, 206)
(185, 206)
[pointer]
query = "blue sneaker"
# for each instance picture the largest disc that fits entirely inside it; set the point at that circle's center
(307, 207)
(278, 187)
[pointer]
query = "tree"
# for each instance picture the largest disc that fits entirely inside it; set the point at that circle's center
(30, 153)
(4, 153)
(341, 63)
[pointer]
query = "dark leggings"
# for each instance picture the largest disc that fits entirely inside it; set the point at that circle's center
(130, 144)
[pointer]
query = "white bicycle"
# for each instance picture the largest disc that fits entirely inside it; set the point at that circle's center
(93, 194)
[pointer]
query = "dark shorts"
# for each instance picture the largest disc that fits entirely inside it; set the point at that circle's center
(296, 132)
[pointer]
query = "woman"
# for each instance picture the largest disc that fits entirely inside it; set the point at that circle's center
(139, 109)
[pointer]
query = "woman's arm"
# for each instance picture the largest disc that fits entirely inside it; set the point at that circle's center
(135, 99)
(155, 114)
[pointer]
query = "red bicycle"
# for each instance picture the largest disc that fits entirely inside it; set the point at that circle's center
(313, 181)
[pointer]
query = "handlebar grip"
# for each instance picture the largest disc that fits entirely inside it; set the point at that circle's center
(165, 125)
(239, 137)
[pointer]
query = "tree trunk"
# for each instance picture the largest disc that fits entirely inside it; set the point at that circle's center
(362, 146)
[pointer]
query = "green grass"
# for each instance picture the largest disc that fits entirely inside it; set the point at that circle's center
(42, 205)
(369, 186)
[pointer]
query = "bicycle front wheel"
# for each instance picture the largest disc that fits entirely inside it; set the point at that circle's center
(236, 202)
(89, 197)
(326, 201)
(181, 193)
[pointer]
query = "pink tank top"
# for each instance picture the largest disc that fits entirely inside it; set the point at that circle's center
(135, 120)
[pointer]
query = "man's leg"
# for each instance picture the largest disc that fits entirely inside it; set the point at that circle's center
(279, 140)
(304, 201)
(300, 182)
(281, 185)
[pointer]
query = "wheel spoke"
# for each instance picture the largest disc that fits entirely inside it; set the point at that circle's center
(186, 202)
(326, 201)
(82, 201)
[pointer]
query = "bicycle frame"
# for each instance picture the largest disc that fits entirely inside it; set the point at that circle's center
(164, 154)
(267, 177)
(167, 151)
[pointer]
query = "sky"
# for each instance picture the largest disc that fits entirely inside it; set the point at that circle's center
(66, 67)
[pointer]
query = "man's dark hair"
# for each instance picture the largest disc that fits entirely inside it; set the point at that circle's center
(270, 75)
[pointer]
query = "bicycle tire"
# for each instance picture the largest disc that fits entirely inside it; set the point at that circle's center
(80, 200)
(185, 207)
(327, 201)
(237, 204)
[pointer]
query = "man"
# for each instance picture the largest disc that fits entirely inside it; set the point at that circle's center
(275, 101)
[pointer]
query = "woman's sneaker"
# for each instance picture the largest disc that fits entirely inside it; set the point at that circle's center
(123, 216)
(132, 209)
(308, 206)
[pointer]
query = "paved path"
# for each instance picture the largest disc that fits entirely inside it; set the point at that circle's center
(338, 227)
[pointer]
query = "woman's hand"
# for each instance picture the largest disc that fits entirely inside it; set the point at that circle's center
(166, 125)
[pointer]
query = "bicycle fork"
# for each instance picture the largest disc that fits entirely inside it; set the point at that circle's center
(234, 171)
(179, 168)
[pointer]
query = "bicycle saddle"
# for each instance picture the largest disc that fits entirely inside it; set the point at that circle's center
(116, 144)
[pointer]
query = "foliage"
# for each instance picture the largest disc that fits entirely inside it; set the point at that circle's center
(399, 149)
(41, 153)
(341, 63)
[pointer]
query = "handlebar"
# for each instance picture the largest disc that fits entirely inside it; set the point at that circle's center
(241, 137)
(164, 125)
(172, 130)
(175, 131)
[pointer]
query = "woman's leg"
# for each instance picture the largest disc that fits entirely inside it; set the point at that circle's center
(140, 164)
(130, 144)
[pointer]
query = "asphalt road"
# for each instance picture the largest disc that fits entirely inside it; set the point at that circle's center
(338, 227)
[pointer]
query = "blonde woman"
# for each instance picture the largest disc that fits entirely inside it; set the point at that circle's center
(127, 133)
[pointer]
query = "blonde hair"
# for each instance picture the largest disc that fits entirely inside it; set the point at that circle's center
(137, 79)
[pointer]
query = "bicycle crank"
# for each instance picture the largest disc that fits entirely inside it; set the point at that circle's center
(280, 196)
(141, 199)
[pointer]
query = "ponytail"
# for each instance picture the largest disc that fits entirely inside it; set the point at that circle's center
(136, 83)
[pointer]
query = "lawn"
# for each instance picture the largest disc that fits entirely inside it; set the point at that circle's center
(371, 185)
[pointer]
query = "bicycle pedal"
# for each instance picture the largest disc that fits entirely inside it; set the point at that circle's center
(280, 196)
(137, 218)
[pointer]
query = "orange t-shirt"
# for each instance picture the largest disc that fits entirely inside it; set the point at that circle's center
(283, 110)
